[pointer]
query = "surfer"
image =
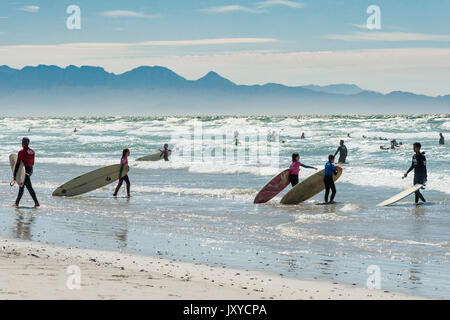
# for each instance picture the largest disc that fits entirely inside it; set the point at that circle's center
(236, 137)
(303, 136)
(441, 139)
(165, 152)
(330, 169)
(342, 150)
(294, 169)
(26, 156)
(123, 162)
(419, 164)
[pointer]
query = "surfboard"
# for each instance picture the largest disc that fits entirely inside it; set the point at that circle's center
(20, 178)
(400, 195)
(308, 188)
(90, 181)
(328, 203)
(273, 187)
(154, 157)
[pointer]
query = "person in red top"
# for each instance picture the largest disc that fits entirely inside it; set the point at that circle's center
(26, 156)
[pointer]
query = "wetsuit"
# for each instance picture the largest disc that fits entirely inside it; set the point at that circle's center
(294, 170)
(330, 169)
(26, 156)
(441, 140)
(419, 164)
(165, 154)
(342, 150)
(123, 162)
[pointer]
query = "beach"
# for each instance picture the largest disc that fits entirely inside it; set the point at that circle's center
(30, 270)
(201, 210)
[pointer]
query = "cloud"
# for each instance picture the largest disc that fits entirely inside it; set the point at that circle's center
(271, 3)
(30, 9)
(126, 14)
(228, 9)
(388, 36)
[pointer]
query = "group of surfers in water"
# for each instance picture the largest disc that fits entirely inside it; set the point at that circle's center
(27, 156)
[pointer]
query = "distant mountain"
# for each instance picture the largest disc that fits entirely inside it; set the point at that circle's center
(87, 90)
(336, 88)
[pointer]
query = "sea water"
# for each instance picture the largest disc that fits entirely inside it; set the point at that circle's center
(200, 208)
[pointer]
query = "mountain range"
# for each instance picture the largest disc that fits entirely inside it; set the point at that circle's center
(75, 91)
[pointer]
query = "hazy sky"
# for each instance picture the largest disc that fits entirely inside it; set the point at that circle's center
(289, 42)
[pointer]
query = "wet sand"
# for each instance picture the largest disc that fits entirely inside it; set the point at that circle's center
(31, 270)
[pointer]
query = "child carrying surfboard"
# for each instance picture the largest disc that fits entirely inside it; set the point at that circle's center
(294, 169)
(165, 152)
(123, 162)
(330, 169)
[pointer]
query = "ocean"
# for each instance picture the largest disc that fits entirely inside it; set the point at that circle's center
(198, 207)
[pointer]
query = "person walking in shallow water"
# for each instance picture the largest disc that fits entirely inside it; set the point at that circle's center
(26, 156)
(441, 139)
(328, 180)
(342, 150)
(123, 163)
(294, 169)
(419, 165)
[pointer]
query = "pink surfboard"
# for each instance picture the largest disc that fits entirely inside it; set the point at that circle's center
(274, 187)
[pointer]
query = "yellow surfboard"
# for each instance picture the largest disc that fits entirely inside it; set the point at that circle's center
(91, 181)
(308, 188)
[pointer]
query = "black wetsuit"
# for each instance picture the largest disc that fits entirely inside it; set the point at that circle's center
(441, 140)
(27, 184)
(328, 180)
(342, 150)
(419, 164)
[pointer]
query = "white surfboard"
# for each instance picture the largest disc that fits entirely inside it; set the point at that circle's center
(91, 181)
(20, 178)
(400, 196)
(154, 157)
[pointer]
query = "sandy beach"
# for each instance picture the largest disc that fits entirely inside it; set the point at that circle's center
(31, 270)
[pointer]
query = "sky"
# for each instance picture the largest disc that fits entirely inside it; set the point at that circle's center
(249, 42)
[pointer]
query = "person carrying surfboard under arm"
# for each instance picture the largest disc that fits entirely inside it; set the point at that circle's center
(294, 169)
(123, 162)
(419, 164)
(26, 156)
(165, 152)
(330, 169)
